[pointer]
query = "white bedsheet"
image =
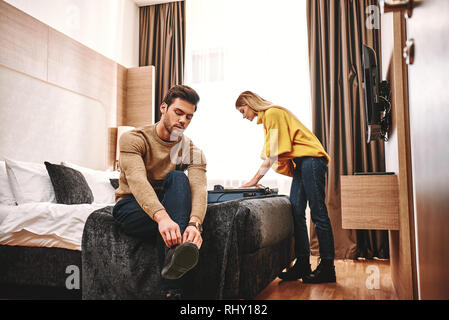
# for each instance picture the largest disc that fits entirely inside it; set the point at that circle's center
(4, 211)
(45, 224)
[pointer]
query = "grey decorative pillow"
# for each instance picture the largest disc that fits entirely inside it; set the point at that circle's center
(69, 184)
(114, 183)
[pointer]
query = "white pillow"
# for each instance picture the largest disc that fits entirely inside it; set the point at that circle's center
(98, 182)
(6, 195)
(29, 182)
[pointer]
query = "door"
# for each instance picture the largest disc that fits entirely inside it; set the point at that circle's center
(429, 135)
(398, 154)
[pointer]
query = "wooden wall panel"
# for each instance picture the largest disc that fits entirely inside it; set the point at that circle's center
(23, 42)
(404, 269)
(140, 97)
(112, 147)
(83, 70)
(122, 83)
(122, 76)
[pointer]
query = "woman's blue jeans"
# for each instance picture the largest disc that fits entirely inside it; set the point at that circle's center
(175, 196)
(308, 186)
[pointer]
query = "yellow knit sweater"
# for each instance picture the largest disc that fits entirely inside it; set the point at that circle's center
(145, 160)
(287, 138)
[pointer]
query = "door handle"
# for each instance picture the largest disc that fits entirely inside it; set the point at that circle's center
(400, 5)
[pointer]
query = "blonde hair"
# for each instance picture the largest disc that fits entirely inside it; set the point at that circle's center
(256, 102)
(252, 100)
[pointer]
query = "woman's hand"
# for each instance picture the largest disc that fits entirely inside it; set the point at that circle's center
(252, 183)
(266, 165)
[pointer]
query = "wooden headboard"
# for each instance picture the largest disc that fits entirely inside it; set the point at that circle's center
(40, 121)
(60, 100)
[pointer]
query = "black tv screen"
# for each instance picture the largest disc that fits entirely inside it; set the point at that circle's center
(373, 110)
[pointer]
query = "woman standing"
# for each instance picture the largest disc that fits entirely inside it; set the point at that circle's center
(293, 150)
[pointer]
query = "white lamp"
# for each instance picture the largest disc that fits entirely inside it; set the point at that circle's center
(120, 130)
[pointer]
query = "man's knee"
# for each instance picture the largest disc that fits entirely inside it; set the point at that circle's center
(177, 177)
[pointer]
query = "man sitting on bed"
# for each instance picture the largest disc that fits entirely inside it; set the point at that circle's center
(155, 197)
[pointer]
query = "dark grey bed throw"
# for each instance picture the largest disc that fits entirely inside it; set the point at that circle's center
(246, 243)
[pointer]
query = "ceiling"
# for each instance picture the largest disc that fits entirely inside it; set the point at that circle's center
(142, 3)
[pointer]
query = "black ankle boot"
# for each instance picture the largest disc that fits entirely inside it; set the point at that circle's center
(325, 272)
(299, 270)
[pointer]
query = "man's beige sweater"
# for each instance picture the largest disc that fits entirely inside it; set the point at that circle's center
(145, 160)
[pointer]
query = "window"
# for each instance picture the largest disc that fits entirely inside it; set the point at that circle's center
(238, 45)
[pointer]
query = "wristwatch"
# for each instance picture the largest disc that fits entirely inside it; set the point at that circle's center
(197, 225)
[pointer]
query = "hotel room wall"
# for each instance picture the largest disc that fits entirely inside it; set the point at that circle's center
(109, 27)
(33, 49)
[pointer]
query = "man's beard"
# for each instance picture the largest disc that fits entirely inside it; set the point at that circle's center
(175, 132)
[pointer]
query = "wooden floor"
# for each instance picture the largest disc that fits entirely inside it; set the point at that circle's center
(356, 280)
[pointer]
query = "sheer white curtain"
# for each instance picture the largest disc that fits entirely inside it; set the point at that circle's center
(238, 45)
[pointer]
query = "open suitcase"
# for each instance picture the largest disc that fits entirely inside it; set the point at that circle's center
(220, 194)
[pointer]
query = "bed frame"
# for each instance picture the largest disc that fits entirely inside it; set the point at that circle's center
(39, 273)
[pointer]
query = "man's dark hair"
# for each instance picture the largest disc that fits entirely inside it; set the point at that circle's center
(183, 92)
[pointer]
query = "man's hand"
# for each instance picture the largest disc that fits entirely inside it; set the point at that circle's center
(191, 233)
(168, 229)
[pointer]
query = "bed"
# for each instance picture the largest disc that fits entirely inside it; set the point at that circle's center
(40, 239)
(40, 247)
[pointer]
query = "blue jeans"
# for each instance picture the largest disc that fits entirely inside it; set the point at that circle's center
(175, 196)
(308, 186)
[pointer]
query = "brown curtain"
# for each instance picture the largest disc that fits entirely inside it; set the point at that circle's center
(337, 30)
(162, 44)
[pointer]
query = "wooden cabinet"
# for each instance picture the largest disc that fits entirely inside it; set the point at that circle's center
(370, 202)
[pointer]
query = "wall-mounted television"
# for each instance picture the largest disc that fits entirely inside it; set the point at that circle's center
(377, 98)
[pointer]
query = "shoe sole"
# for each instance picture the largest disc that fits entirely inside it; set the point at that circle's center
(292, 278)
(317, 282)
(184, 259)
(328, 280)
